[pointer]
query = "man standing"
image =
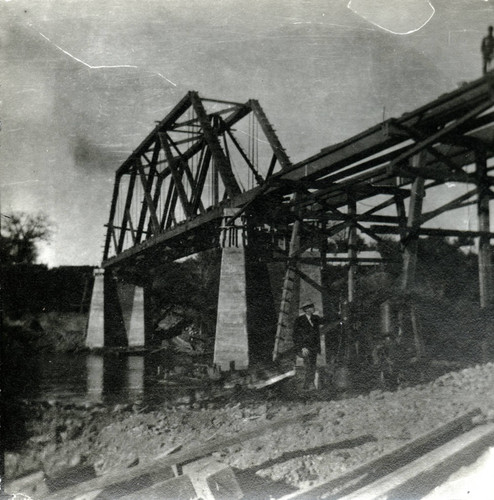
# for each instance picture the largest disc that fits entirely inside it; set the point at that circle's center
(307, 340)
(487, 49)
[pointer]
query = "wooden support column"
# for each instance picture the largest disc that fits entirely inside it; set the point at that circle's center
(485, 265)
(289, 297)
(413, 223)
(352, 252)
(402, 220)
(351, 341)
(323, 252)
(410, 251)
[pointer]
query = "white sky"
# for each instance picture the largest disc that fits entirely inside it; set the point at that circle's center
(83, 81)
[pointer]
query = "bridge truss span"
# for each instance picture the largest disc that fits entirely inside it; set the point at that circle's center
(201, 156)
(214, 172)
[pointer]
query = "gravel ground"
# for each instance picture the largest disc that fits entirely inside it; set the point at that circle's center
(348, 429)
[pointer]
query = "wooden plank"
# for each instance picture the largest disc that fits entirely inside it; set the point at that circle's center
(431, 231)
(177, 488)
(434, 138)
(422, 475)
(32, 485)
(143, 473)
(377, 138)
(283, 327)
(452, 205)
(260, 384)
(369, 471)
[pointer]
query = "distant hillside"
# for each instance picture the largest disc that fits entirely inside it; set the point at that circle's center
(35, 288)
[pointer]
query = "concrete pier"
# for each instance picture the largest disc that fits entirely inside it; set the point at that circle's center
(131, 299)
(231, 347)
(231, 343)
(117, 316)
(95, 337)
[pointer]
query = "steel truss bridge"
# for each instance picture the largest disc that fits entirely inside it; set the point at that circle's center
(212, 169)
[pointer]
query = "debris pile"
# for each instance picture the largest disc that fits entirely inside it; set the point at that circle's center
(343, 433)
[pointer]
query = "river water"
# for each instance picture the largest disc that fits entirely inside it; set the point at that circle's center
(97, 378)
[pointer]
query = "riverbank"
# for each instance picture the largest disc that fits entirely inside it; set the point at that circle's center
(347, 430)
(45, 332)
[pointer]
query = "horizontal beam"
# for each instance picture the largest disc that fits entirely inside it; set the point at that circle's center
(429, 231)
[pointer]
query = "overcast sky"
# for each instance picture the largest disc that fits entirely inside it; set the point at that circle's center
(83, 81)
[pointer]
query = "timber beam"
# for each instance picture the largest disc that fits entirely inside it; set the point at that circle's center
(429, 231)
(459, 103)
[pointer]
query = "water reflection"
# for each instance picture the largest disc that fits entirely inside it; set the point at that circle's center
(114, 377)
(106, 378)
(135, 374)
(93, 377)
(95, 374)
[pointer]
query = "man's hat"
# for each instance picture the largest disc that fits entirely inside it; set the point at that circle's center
(307, 303)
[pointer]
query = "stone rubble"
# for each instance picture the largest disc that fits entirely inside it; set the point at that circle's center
(347, 430)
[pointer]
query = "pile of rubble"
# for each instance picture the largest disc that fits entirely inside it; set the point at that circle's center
(344, 432)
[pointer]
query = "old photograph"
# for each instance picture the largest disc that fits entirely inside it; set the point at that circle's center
(245, 249)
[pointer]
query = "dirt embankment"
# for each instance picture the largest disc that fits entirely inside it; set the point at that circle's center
(344, 433)
(49, 331)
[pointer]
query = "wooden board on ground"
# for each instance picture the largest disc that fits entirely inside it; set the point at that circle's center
(421, 476)
(374, 469)
(145, 472)
(260, 384)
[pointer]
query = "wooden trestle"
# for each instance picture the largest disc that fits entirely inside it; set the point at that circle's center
(172, 195)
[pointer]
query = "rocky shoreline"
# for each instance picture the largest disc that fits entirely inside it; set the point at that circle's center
(348, 429)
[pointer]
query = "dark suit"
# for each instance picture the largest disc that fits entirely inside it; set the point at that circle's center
(306, 334)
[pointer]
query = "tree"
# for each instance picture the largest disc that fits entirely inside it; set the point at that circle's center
(192, 287)
(20, 235)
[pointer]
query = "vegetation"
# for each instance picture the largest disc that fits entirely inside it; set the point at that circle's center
(189, 288)
(20, 235)
(445, 296)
